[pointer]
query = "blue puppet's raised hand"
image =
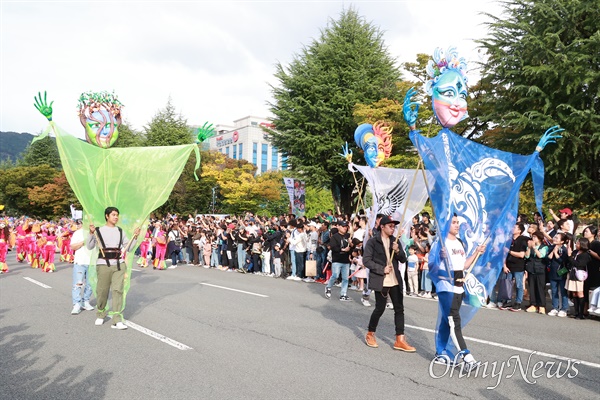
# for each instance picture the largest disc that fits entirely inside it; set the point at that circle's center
(549, 136)
(411, 109)
(347, 153)
(42, 106)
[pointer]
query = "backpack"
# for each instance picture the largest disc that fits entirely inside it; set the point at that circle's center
(177, 239)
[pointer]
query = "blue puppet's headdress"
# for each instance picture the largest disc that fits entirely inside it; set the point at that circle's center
(443, 62)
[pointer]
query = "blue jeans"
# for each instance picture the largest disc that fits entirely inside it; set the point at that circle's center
(557, 286)
(321, 260)
(214, 258)
(293, 260)
(519, 281)
(425, 281)
(80, 281)
(336, 269)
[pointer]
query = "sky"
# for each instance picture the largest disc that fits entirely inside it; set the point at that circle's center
(215, 60)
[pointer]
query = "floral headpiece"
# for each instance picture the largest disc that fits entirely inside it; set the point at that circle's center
(443, 62)
(94, 101)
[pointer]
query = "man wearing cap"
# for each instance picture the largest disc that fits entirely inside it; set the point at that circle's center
(341, 247)
(382, 254)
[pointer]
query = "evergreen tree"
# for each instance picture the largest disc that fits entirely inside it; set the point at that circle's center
(544, 68)
(129, 137)
(42, 152)
(316, 96)
(168, 128)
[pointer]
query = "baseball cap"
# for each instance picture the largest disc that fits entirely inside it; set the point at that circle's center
(387, 220)
(342, 223)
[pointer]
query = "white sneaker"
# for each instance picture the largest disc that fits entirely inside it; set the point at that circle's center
(76, 309)
(553, 313)
(172, 266)
(592, 309)
(353, 287)
(491, 305)
(365, 302)
(571, 304)
(297, 278)
(427, 295)
(597, 311)
(338, 284)
(291, 278)
(562, 313)
(119, 325)
(99, 321)
(390, 306)
(87, 306)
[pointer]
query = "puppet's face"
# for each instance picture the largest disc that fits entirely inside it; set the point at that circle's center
(373, 154)
(97, 129)
(450, 99)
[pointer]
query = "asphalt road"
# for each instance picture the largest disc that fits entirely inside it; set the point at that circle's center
(288, 343)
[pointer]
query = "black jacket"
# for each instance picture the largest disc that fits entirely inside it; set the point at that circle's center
(375, 259)
(337, 243)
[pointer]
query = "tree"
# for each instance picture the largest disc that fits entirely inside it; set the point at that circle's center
(168, 128)
(16, 181)
(275, 199)
(129, 137)
(41, 152)
(316, 95)
(52, 199)
(544, 69)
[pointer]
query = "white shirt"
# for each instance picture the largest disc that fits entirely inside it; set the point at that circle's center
(82, 255)
(457, 257)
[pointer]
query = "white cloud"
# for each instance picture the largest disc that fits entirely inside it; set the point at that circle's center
(214, 58)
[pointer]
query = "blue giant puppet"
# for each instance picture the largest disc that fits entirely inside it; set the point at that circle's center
(478, 184)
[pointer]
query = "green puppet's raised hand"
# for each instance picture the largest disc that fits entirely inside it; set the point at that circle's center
(43, 107)
(206, 132)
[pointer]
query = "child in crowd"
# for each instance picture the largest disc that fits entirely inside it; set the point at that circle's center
(426, 284)
(413, 270)
(206, 251)
(277, 260)
(361, 272)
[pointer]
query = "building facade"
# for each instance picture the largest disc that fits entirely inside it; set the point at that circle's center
(246, 140)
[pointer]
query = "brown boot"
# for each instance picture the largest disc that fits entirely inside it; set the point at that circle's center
(370, 340)
(402, 345)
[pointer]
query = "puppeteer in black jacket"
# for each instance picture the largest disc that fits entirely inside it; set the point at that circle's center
(375, 259)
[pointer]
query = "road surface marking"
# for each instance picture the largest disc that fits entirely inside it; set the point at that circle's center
(157, 336)
(521, 349)
(234, 290)
(37, 283)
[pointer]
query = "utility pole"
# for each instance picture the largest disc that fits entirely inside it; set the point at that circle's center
(213, 199)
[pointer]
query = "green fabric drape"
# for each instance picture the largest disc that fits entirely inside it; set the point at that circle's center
(136, 180)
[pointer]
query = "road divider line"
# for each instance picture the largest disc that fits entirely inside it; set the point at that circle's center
(234, 290)
(37, 283)
(521, 349)
(158, 336)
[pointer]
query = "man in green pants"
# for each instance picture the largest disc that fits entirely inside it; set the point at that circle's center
(110, 267)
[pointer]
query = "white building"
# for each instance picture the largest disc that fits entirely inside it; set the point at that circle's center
(246, 140)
